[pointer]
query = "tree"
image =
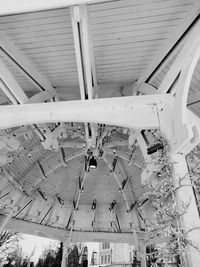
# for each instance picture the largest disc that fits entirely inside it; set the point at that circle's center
(51, 257)
(8, 245)
(14, 259)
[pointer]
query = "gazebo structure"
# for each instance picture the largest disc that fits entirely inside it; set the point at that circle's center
(88, 90)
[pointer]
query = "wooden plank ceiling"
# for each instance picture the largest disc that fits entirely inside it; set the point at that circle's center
(126, 37)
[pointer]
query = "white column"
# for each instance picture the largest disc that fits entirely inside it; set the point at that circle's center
(7, 218)
(142, 253)
(65, 254)
(190, 220)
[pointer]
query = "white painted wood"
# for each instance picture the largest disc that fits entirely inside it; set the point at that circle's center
(132, 112)
(20, 59)
(190, 53)
(136, 4)
(86, 50)
(194, 11)
(40, 97)
(11, 85)
(181, 59)
(78, 50)
(8, 94)
(21, 6)
(63, 234)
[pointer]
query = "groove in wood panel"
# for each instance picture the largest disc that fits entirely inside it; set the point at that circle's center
(147, 16)
(133, 28)
(37, 30)
(127, 3)
(128, 35)
(65, 54)
(142, 10)
(35, 23)
(45, 45)
(121, 67)
(150, 22)
(102, 62)
(127, 49)
(124, 43)
(41, 35)
(37, 41)
(48, 49)
(35, 15)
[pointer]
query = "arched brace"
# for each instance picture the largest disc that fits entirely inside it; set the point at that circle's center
(186, 131)
(136, 112)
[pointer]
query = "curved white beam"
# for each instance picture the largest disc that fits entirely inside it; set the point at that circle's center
(183, 132)
(138, 112)
(62, 234)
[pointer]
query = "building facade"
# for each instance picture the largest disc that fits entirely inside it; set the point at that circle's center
(115, 254)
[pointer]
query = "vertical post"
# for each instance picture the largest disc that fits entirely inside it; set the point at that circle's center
(65, 254)
(189, 221)
(66, 249)
(142, 253)
(7, 218)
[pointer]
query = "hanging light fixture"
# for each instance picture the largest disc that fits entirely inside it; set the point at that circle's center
(92, 163)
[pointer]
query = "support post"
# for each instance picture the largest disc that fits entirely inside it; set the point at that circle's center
(142, 253)
(66, 250)
(7, 218)
(65, 255)
(189, 221)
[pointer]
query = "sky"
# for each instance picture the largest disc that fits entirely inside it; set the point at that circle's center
(29, 242)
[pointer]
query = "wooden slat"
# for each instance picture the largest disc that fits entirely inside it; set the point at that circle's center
(152, 9)
(178, 11)
(140, 4)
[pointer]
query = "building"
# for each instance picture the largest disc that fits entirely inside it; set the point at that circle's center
(115, 254)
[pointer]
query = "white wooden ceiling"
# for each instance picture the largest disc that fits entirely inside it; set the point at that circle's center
(128, 39)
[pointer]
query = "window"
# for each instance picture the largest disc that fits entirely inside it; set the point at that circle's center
(105, 245)
(102, 259)
(105, 258)
(108, 258)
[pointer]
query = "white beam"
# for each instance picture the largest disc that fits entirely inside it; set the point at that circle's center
(85, 59)
(75, 19)
(183, 133)
(22, 6)
(11, 87)
(183, 57)
(15, 93)
(62, 234)
(138, 112)
(8, 95)
(191, 15)
(21, 62)
(86, 48)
